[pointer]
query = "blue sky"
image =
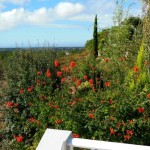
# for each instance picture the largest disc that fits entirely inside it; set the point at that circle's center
(25, 23)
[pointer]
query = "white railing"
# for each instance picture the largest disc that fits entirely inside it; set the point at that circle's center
(62, 140)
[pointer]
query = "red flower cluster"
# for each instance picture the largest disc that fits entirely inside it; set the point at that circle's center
(63, 80)
(129, 132)
(91, 115)
(107, 84)
(85, 78)
(112, 131)
(19, 139)
(79, 82)
(48, 73)
(140, 110)
(75, 135)
(30, 88)
(91, 81)
(56, 63)
(127, 137)
(59, 73)
(9, 104)
(136, 69)
(58, 121)
(31, 119)
(72, 64)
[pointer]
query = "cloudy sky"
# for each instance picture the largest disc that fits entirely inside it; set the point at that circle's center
(60, 22)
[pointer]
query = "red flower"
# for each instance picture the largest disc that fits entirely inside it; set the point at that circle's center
(59, 73)
(9, 104)
(106, 60)
(30, 89)
(85, 78)
(75, 135)
(79, 82)
(58, 121)
(127, 137)
(112, 131)
(56, 63)
(140, 110)
(72, 64)
(21, 91)
(56, 107)
(129, 132)
(63, 80)
(31, 119)
(38, 73)
(19, 139)
(91, 81)
(136, 69)
(91, 115)
(48, 73)
(148, 96)
(107, 84)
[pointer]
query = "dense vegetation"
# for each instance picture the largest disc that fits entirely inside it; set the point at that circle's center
(105, 98)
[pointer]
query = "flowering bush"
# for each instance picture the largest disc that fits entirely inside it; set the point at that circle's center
(93, 101)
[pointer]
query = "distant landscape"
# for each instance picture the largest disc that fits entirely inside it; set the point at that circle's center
(100, 91)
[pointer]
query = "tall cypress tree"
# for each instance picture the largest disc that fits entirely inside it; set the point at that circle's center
(95, 39)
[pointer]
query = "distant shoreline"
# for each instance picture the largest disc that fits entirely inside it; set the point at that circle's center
(41, 48)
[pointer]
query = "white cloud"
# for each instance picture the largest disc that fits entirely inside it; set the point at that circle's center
(62, 11)
(15, 1)
(65, 9)
(11, 18)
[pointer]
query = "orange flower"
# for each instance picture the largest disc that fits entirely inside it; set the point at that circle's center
(140, 110)
(148, 96)
(59, 73)
(48, 73)
(91, 115)
(127, 137)
(107, 84)
(58, 121)
(72, 64)
(75, 135)
(19, 139)
(129, 132)
(136, 69)
(56, 63)
(112, 131)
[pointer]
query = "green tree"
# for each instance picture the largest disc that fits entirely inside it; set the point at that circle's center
(95, 37)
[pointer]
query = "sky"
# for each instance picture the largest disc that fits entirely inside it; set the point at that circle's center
(30, 23)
